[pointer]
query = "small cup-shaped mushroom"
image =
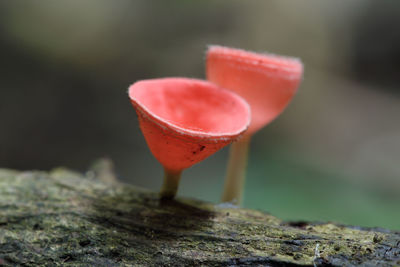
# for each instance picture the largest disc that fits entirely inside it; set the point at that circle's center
(267, 82)
(186, 120)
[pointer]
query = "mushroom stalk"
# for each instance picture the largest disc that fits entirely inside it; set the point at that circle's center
(170, 184)
(236, 171)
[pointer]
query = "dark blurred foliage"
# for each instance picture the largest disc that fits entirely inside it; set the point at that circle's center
(376, 45)
(69, 99)
(333, 154)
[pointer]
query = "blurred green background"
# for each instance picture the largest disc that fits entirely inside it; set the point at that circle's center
(334, 154)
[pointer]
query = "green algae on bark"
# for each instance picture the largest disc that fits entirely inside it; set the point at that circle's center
(67, 218)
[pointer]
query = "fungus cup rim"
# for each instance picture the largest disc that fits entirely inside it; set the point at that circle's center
(181, 131)
(290, 67)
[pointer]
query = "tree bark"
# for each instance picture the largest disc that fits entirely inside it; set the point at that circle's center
(66, 218)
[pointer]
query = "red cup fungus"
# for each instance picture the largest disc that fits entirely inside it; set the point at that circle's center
(267, 82)
(186, 120)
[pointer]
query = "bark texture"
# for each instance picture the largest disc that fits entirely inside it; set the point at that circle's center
(67, 218)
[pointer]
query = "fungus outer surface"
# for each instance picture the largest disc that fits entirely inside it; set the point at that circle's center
(186, 120)
(267, 82)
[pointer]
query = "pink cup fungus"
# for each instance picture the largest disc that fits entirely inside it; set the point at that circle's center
(267, 82)
(186, 120)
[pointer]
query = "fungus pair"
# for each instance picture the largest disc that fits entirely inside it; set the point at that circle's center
(186, 120)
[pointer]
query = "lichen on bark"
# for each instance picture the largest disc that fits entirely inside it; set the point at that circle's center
(66, 218)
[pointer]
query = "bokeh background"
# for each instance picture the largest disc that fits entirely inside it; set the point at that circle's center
(334, 154)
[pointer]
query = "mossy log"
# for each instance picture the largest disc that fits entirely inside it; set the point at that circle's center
(66, 218)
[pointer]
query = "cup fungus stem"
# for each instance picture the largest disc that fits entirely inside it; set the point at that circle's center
(236, 171)
(170, 184)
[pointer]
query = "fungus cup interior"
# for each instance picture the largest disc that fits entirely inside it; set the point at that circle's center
(267, 82)
(186, 120)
